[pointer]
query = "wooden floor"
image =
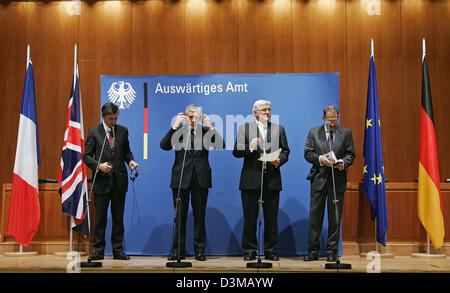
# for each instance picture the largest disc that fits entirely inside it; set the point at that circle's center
(219, 264)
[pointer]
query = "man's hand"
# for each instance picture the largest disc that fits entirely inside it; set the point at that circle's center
(180, 118)
(133, 165)
(276, 163)
(254, 143)
(324, 160)
(206, 121)
(339, 166)
(105, 167)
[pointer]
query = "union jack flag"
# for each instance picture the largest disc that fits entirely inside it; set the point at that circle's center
(72, 177)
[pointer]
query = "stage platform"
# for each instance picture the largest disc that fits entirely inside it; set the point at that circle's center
(221, 264)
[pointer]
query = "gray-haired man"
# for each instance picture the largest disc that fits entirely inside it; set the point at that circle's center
(253, 140)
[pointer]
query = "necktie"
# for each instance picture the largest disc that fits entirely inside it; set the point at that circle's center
(331, 139)
(192, 141)
(111, 140)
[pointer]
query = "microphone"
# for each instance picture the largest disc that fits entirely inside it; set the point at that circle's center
(98, 162)
(90, 263)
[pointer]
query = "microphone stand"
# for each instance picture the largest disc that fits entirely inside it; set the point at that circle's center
(260, 264)
(179, 263)
(337, 265)
(90, 263)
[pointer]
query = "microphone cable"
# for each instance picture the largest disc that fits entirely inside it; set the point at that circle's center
(134, 199)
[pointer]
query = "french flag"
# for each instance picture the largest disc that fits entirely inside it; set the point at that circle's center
(24, 211)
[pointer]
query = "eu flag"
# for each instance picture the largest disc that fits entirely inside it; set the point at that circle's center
(373, 174)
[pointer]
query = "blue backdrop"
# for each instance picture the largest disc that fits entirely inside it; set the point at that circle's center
(297, 104)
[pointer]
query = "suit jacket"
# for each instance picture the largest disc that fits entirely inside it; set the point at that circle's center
(196, 159)
(122, 155)
(251, 169)
(317, 145)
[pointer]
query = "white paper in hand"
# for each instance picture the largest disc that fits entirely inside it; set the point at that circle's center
(270, 157)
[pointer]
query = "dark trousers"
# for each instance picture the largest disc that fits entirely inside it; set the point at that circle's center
(316, 214)
(250, 207)
(199, 198)
(102, 201)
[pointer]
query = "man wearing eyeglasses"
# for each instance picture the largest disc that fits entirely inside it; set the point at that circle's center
(327, 146)
(254, 140)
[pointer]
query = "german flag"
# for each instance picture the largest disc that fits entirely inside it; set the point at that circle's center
(429, 196)
(145, 144)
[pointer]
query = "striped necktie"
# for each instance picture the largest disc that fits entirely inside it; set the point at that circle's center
(111, 140)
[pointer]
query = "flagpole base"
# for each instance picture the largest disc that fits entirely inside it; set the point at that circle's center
(338, 266)
(21, 254)
(426, 255)
(178, 264)
(90, 264)
(259, 265)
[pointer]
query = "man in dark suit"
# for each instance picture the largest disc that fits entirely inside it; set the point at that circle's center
(111, 180)
(253, 140)
(191, 174)
(321, 142)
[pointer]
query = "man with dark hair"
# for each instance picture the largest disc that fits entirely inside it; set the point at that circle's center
(191, 174)
(111, 182)
(327, 146)
(253, 140)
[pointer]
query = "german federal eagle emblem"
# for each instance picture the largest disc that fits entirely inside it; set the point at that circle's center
(122, 94)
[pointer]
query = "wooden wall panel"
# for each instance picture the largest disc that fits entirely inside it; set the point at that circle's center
(386, 32)
(404, 223)
(12, 73)
(265, 36)
(319, 42)
(51, 35)
(158, 38)
(429, 20)
(211, 37)
(239, 36)
(53, 224)
(105, 42)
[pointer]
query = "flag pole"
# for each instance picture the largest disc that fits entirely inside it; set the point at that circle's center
(21, 253)
(423, 56)
(28, 55)
(70, 253)
(28, 62)
(423, 48)
(372, 51)
(74, 79)
(377, 250)
(428, 254)
(372, 54)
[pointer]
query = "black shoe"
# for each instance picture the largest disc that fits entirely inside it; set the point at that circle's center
(249, 256)
(175, 257)
(200, 256)
(311, 257)
(120, 255)
(272, 256)
(331, 257)
(97, 256)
